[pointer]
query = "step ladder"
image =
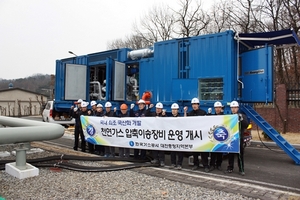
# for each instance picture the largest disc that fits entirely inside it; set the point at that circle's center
(272, 133)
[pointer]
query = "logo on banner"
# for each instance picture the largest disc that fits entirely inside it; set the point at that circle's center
(131, 143)
(219, 133)
(90, 130)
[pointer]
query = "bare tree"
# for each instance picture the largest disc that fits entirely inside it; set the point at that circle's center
(19, 108)
(133, 42)
(191, 19)
(156, 25)
(41, 102)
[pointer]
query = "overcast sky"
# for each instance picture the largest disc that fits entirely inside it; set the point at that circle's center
(35, 33)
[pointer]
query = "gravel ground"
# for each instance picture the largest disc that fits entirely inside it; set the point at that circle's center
(124, 184)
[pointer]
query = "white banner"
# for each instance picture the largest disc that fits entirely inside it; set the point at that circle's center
(215, 133)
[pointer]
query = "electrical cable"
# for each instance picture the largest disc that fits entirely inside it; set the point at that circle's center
(276, 151)
(59, 163)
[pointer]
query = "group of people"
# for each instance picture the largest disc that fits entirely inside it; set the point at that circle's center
(159, 156)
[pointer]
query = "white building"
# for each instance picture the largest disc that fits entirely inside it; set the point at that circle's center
(20, 102)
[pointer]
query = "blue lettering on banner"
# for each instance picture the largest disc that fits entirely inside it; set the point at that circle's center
(161, 145)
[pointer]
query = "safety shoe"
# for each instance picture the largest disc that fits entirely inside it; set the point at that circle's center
(219, 168)
(242, 173)
(211, 168)
(75, 148)
(179, 167)
(162, 164)
(172, 166)
(154, 161)
(206, 169)
(195, 167)
(228, 171)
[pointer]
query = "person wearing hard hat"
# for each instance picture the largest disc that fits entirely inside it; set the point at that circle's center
(99, 109)
(83, 111)
(74, 111)
(159, 111)
(124, 152)
(109, 151)
(94, 108)
(204, 155)
(158, 156)
(92, 112)
(215, 157)
(99, 149)
(174, 154)
(243, 124)
(141, 112)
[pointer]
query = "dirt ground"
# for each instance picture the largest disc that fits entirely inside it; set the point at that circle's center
(292, 138)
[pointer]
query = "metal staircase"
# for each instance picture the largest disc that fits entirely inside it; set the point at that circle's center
(271, 132)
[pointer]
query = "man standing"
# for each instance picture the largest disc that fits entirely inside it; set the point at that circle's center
(197, 112)
(109, 151)
(178, 164)
(158, 156)
(141, 112)
(215, 157)
(124, 152)
(74, 112)
(243, 124)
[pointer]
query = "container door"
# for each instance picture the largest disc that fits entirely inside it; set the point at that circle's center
(75, 82)
(256, 67)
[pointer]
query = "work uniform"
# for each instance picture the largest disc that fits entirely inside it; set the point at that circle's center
(110, 151)
(204, 155)
(99, 149)
(216, 158)
(78, 130)
(139, 113)
(124, 152)
(176, 153)
(243, 124)
(158, 155)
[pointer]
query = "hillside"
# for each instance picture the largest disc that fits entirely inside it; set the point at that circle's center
(39, 83)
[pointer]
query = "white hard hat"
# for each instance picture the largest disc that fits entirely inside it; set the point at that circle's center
(99, 105)
(234, 104)
(93, 103)
(218, 104)
(141, 101)
(159, 105)
(79, 101)
(195, 100)
(107, 104)
(84, 104)
(174, 106)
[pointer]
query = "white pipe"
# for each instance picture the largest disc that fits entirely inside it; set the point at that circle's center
(99, 88)
(135, 86)
(23, 130)
(238, 63)
(140, 53)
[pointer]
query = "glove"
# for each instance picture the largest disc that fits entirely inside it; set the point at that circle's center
(75, 109)
(115, 109)
(131, 106)
(151, 105)
(209, 110)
